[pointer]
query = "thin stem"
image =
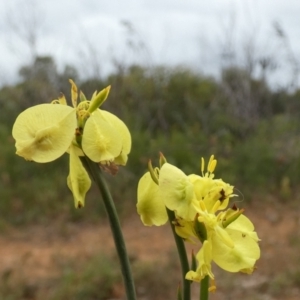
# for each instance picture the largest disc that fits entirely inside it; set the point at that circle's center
(96, 173)
(182, 256)
(204, 288)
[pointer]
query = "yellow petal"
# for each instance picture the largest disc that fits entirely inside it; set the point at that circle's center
(77, 149)
(122, 129)
(185, 229)
(44, 132)
(150, 206)
(177, 191)
(101, 141)
(204, 258)
(78, 180)
(223, 236)
(241, 256)
(243, 224)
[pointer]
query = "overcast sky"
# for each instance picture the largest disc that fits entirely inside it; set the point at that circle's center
(92, 34)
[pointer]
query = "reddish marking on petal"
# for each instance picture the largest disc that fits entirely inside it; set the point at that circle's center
(110, 168)
(77, 132)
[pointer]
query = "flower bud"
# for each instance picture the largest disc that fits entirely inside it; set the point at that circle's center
(99, 99)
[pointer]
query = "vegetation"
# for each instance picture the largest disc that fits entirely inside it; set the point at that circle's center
(251, 129)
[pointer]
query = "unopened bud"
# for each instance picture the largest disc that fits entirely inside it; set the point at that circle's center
(200, 230)
(74, 93)
(230, 216)
(162, 159)
(99, 99)
(153, 172)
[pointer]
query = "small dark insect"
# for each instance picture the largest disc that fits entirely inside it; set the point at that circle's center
(223, 196)
(176, 223)
(234, 207)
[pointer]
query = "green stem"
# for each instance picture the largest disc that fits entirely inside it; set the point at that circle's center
(204, 288)
(96, 173)
(182, 256)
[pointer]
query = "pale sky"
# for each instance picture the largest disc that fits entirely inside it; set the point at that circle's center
(91, 35)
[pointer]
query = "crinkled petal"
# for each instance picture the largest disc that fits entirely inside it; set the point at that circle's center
(150, 206)
(242, 255)
(101, 141)
(204, 258)
(44, 132)
(78, 180)
(177, 191)
(122, 129)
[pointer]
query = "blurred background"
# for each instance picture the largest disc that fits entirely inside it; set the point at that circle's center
(190, 79)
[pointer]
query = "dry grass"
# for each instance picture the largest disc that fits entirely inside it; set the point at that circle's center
(68, 261)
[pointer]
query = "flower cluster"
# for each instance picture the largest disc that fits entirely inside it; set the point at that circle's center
(200, 204)
(45, 132)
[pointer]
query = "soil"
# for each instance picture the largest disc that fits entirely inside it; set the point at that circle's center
(33, 250)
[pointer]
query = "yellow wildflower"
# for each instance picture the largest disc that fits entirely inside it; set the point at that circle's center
(45, 132)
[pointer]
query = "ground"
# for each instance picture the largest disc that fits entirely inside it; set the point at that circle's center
(35, 251)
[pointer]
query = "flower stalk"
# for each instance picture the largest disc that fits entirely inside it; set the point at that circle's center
(204, 291)
(182, 257)
(96, 174)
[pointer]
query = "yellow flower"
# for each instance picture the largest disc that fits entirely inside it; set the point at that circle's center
(45, 132)
(180, 193)
(200, 205)
(233, 247)
(150, 206)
